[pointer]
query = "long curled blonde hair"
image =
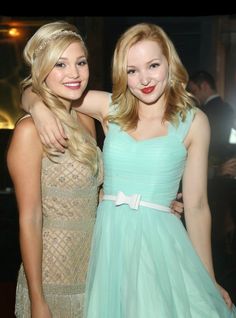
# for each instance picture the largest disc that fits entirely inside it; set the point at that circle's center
(178, 100)
(41, 53)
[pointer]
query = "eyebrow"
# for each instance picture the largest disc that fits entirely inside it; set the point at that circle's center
(152, 60)
(66, 58)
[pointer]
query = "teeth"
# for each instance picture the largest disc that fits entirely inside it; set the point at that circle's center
(72, 84)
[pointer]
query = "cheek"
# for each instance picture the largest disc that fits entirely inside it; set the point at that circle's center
(162, 75)
(131, 83)
(86, 74)
(49, 82)
(48, 78)
(52, 79)
(87, 71)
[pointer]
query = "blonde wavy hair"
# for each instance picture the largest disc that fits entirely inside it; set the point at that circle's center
(178, 100)
(41, 53)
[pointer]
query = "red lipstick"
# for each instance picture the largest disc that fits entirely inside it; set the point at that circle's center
(147, 90)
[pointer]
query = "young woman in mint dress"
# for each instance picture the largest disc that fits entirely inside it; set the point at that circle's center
(144, 264)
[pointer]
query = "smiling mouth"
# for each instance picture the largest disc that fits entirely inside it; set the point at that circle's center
(148, 90)
(73, 86)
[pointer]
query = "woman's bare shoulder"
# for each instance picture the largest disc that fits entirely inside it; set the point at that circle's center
(25, 131)
(200, 115)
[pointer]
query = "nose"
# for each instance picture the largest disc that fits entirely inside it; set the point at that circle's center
(144, 79)
(73, 72)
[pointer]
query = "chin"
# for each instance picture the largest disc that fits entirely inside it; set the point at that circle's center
(75, 96)
(149, 100)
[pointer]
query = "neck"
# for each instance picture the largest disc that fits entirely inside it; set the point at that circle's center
(156, 110)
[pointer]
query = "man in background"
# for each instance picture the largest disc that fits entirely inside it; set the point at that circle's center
(220, 115)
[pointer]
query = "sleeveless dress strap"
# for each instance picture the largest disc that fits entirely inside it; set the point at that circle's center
(184, 126)
(21, 118)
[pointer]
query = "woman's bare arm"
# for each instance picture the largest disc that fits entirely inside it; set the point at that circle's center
(24, 164)
(49, 127)
(197, 212)
(93, 103)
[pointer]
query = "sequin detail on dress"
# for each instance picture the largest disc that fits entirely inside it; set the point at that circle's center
(69, 199)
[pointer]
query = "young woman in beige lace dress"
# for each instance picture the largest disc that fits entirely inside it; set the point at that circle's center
(56, 193)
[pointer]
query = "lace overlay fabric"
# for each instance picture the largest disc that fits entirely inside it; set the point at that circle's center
(69, 200)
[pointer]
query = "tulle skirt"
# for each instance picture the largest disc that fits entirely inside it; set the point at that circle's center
(143, 265)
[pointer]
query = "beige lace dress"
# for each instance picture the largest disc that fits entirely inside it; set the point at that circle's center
(69, 199)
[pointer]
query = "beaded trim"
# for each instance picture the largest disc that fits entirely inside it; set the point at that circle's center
(54, 36)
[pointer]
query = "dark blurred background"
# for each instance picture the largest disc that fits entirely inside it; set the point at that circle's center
(203, 42)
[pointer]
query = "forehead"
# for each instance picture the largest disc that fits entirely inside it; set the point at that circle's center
(75, 48)
(145, 48)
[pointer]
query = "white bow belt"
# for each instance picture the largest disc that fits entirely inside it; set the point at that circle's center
(134, 201)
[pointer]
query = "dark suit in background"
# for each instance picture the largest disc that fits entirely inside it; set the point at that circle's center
(221, 118)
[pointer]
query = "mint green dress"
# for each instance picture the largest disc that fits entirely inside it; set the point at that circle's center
(142, 263)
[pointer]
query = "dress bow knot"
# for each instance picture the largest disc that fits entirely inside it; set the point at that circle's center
(132, 200)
